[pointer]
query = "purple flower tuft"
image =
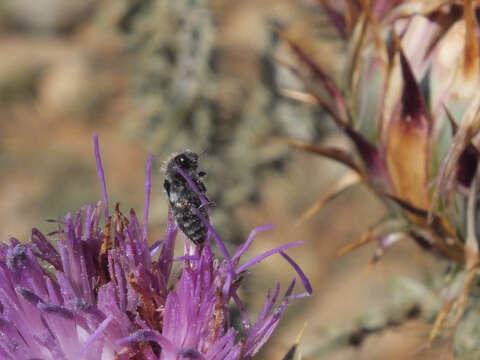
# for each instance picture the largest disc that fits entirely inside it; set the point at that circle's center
(93, 290)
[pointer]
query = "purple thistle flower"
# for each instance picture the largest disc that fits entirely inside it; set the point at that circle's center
(101, 294)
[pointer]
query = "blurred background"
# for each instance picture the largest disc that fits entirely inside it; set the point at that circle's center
(158, 76)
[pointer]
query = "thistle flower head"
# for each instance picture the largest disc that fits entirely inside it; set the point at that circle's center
(409, 103)
(93, 291)
(413, 132)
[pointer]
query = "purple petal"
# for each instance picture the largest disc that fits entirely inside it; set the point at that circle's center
(243, 311)
(96, 334)
(300, 296)
(155, 247)
(187, 257)
(148, 335)
(28, 295)
(190, 354)
(168, 245)
(218, 240)
(194, 187)
(303, 277)
(148, 186)
(46, 251)
(101, 174)
(56, 310)
(250, 239)
(266, 254)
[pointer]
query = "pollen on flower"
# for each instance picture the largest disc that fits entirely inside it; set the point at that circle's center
(94, 289)
(16, 256)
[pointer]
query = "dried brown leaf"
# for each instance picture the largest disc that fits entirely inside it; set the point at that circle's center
(356, 45)
(329, 152)
(382, 227)
(325, 104)
(339, 20)
(317, 71)
(440, 321)
(301, 96)
(471, 63)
